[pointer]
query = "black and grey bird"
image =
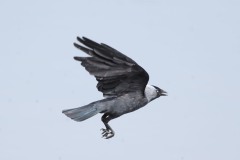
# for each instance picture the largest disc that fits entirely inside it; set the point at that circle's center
(121, 80)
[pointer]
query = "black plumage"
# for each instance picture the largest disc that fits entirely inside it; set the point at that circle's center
(121, 80)
(116, 73)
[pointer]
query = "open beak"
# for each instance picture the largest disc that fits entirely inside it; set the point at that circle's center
(164, 93)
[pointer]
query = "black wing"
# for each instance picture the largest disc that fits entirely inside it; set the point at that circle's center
(116, 73)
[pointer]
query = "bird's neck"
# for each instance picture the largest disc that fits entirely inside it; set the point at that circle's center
(150, 92)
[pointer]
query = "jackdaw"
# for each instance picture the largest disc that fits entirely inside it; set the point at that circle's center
(121, 80)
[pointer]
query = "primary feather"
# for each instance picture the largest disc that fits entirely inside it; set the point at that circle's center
(116, 73)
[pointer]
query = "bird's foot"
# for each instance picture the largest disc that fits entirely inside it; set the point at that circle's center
(107, 133)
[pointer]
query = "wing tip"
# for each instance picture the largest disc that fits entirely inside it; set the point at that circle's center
(78, 58)
(79, 38)
(76, 45)
(82, 39)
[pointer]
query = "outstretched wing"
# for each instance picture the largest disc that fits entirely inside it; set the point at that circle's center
(116, 73)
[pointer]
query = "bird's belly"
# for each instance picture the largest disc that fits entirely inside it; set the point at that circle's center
(125, 105)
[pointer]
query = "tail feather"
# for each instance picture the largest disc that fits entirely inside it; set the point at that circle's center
(81, 113)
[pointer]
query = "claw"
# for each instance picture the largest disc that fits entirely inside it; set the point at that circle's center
(104, 135)
(107, 133)
(104, 131)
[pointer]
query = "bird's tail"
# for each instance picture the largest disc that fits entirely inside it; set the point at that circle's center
(82, 113)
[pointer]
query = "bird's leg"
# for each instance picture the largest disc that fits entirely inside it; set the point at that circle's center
(108, 132)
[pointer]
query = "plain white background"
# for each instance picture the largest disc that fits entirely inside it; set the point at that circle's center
(189, 48)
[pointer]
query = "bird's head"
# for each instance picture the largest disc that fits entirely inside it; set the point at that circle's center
(152, 92)
(160, 92)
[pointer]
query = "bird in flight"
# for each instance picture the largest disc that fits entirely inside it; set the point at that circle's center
(121, 80)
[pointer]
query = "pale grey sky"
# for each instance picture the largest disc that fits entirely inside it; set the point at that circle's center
(190, 49)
